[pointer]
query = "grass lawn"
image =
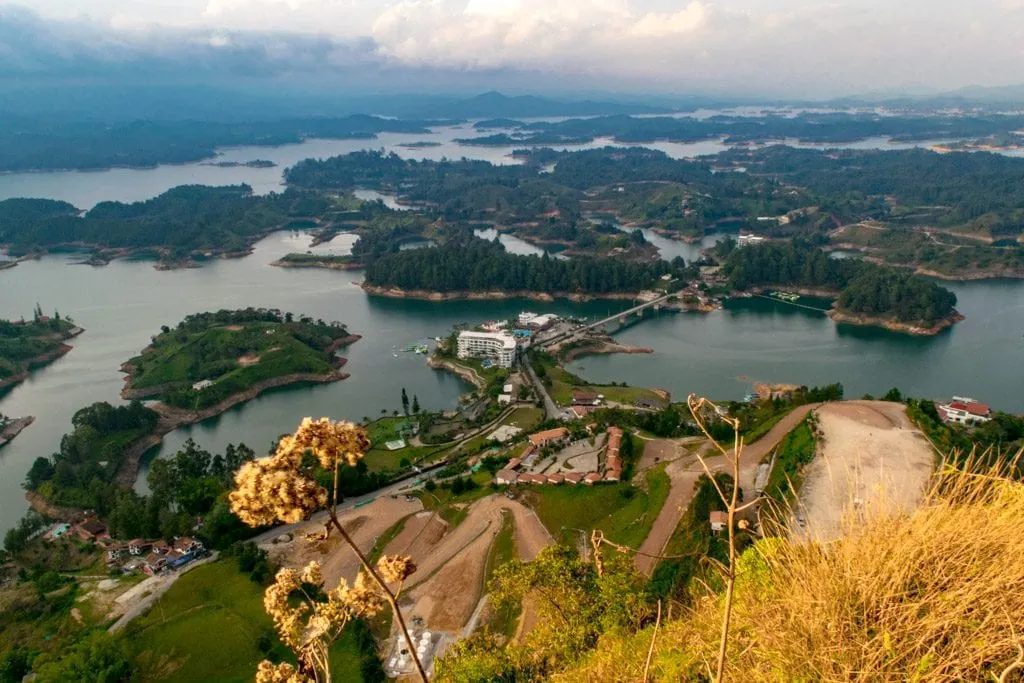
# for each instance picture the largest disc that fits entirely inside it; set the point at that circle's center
(623, 512)
(209, 627)
(563, 384)
(502, 551)
(794, 453)
(525, 418)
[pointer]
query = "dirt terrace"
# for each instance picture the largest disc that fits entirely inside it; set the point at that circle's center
(872, 461)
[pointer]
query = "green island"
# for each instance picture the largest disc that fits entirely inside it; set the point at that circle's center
(217, 359)
(28, 344)
(182, 226)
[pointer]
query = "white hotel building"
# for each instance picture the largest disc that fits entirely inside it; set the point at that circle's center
(500, 347)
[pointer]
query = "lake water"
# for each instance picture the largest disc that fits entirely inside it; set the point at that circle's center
(123, 304)
(756, 340)
(718, 354)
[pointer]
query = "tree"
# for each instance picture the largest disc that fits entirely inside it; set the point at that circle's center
(97, 658)
(405, 402)
(415, 405)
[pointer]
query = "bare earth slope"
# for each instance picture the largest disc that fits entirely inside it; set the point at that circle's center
(872, 459)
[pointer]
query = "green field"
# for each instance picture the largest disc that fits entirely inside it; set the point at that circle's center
(793, 454)
(210, 626)
(525, 418)
(502, 551)
(623, 512)
(561, 384)
(234, 350)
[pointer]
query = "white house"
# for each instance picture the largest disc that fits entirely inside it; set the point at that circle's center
(202, 384)
(964, 411)
(504, 477)
(499, 347)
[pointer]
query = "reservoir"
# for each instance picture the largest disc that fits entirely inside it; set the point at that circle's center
(719, 354)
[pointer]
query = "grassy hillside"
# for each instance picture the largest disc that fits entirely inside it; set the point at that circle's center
(234, 350)
(26, 345)
(897, 598)
(210, 626)
(623, 512)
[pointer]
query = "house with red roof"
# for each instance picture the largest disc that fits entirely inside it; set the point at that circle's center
(965, 411)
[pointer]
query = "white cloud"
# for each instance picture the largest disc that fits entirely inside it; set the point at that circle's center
(785, 46)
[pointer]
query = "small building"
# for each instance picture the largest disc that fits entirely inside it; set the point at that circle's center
(556, 478)
(154, 563)
(202, 384)
(115, 553)
(612, 475)
(581, 411)
(504, 399)
(586, 398)
(139, 546)
(573, 477)
(187, 544)
(505, 477)
(507, 389)
(549, 437)
(964, 411)
(90, 529)
(591, 478)
(514, 463)
(719, 521)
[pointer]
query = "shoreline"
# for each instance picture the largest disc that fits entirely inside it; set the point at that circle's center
(314, 263)
(13, 428)
(598, 347)
(42, 360)
(840, 317)
(174, 418)
(497, 295)
(465, 373)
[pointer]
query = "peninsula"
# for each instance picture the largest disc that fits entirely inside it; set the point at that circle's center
(25, 345)
(211, 359)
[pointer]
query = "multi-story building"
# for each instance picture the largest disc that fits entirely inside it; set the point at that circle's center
(499, 347)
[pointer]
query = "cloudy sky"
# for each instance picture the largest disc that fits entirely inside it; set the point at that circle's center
(781, 47)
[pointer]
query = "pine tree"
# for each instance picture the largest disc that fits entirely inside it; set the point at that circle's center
(405, 401)
(415, 405)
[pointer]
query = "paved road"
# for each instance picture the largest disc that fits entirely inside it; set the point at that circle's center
(151, 590)
(551, 409)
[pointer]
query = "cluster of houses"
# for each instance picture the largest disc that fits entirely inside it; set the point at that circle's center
(512, 473)
(964, 411)
(153, 557)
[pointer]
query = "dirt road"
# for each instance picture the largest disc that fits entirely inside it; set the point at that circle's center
(337, 561)
(448, 583)
(685, 472)
(873, 461)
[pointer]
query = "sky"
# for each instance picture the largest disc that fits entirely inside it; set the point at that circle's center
(802, 48)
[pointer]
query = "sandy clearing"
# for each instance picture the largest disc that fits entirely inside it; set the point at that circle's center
(336, 559)
(250, 359)
(448, 583)
(873, 461)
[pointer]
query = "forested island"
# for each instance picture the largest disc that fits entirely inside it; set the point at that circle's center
(28, 344)
(185, 223)
(464, 265)
(866, 293)
(815, 127)
(27, 144)
(211, 359)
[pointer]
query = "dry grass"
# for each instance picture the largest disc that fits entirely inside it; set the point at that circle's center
(936, 595)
